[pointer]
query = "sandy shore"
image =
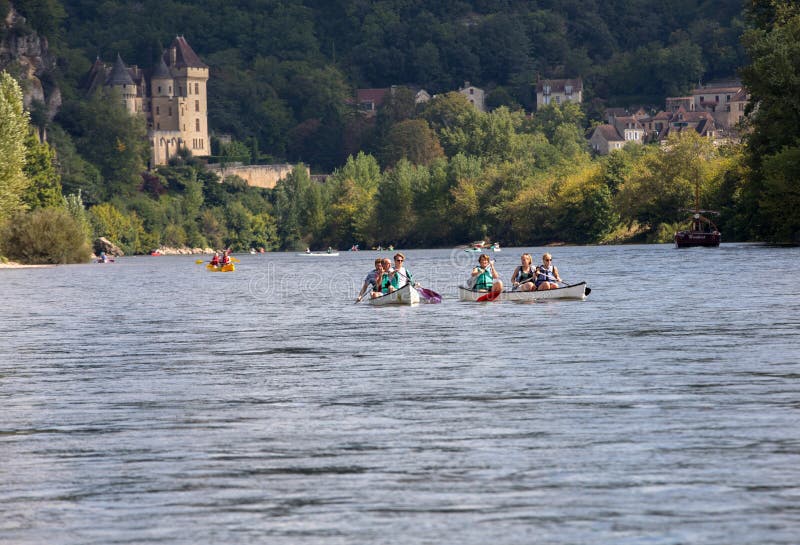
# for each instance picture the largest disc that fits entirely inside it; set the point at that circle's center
(14, 265)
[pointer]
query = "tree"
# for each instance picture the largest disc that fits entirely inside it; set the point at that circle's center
(13, 131)
(773, 79)
(662, 186)
(45, 235)
(45, 183)
(412, 140)
(353, 188)
(111, 139)
(395, 204)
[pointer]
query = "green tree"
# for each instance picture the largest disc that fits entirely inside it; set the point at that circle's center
(13, 131)
(773, 79)
(395, 204)
(45, 235)
(111, 139)
(412, 140)
(45, 184)
(353, 188)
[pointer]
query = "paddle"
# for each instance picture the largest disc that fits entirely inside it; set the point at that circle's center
(429, 295)
(491, 296)
(199, 261)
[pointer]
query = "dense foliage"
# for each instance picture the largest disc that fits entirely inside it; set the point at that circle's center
(283, 76)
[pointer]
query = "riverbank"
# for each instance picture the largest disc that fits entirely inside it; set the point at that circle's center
(15, 265)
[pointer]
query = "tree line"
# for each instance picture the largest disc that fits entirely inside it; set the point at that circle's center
(435, 175)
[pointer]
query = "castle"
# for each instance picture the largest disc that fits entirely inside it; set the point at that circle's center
(173, 101)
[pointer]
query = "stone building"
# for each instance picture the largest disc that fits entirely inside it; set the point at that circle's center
(558, 91)
(172, 97)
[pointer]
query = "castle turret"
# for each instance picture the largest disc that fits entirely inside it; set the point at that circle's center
(161, 81)
(121, 80)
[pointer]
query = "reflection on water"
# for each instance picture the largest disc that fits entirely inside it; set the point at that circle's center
(150, 401)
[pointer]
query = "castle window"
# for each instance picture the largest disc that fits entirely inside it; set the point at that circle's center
(170, 89)
(197, 88)
(568, 89)
(158, 126)
(197, 125)
(196, 105)
(170, 111)
(158, 110)
(159, 89)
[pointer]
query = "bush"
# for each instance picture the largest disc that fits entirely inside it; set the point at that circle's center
(46, 235)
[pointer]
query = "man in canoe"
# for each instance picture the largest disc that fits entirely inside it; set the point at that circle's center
(371, 279)
(547, 274)
(387, 282)
(402, 275)
(484, 276)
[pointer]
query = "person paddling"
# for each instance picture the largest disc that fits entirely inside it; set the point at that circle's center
(547, 274)
(403, 275)
(215, 260)
(371, 279)
(484, 277)
(524, 275)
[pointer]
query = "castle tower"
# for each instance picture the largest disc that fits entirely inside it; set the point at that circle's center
(121, 80)
(190, 76)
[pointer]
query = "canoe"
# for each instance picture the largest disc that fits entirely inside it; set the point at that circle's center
(407, 295)
(221, 268)
(320, 254)
(574, 291)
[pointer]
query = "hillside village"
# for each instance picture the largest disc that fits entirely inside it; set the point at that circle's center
(172, 96)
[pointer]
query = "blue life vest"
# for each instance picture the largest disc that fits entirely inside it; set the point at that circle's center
(544, 274)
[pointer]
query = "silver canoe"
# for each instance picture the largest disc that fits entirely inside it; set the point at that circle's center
(575, 291)
(406, 295)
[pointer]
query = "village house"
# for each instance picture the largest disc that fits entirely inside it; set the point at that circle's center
(172, 98)
(475, 95)
(605, 139)
(558, 91)
(369, 100)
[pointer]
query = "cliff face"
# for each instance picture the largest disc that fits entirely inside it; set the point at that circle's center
(24, 54)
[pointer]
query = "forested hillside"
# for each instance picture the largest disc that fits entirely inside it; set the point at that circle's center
(281, 70)
(283, 75)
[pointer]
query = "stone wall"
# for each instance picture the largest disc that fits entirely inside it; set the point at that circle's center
(265, 176)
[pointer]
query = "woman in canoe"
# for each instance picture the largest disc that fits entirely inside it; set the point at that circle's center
(215, 260)
(547, 274)
(485, 277)
(524, 275)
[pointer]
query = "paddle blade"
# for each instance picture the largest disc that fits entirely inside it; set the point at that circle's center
(430, 295)
(199, 261)
(491, 296)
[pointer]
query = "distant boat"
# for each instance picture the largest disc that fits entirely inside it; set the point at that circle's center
(319, 254)
(702, 232)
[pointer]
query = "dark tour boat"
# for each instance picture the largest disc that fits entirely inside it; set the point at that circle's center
(703, 231)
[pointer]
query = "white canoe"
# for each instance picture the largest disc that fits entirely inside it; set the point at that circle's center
(575, 291)
(320, 254)
(407, 295)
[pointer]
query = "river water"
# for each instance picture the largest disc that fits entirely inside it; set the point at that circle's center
(151, 401)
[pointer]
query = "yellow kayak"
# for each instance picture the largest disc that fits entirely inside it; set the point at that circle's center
(221, 268)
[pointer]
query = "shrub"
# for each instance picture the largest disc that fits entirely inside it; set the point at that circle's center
(46, 235)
